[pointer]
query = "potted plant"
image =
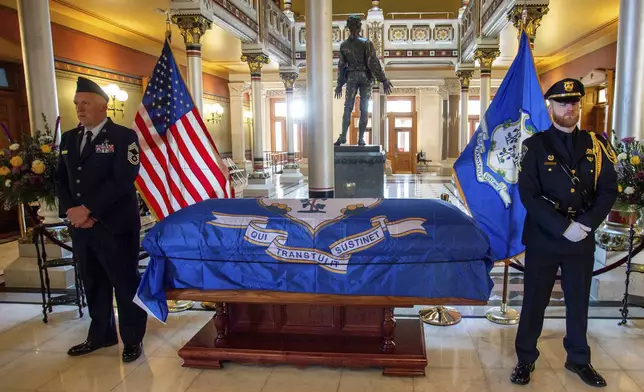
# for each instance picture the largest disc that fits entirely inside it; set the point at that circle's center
(27, 170)
(630, 182)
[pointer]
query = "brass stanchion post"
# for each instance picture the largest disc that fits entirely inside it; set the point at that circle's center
(22, 220)
(503, 314)
(440, 315)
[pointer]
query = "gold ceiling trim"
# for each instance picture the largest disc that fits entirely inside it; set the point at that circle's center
(583, 37)
(106, 20)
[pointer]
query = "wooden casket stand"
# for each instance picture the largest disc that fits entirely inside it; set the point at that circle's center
(268, 327)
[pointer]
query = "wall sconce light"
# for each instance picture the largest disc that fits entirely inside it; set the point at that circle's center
(213, 113)
(248, 117)
(117, 99)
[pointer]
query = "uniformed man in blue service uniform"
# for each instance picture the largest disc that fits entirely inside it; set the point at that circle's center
(97, 167)
(568, 185)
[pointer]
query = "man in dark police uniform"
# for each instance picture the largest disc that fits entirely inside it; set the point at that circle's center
(568, 185)
(97, 167)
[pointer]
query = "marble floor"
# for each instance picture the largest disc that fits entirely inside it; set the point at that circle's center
(474, 355)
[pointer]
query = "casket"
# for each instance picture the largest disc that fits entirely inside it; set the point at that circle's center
(315, 281)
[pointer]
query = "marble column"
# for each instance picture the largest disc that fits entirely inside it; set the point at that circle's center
(376, 115)
(443, 93)
(237, 130)
(255, 62)
(485, 57)
(375, 30)
(464, 77)
(291, 169)
(38, 59)
(319, 70)
(453, 150)
(629, 75)
(192, 28)
(528, 18)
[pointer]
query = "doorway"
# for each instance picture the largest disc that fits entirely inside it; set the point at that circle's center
(14, 116)
(354, 129)
(402, 149)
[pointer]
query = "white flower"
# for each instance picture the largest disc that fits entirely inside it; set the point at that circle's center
(7, 183)
(14, 147)
(629, 190)
(622, 157)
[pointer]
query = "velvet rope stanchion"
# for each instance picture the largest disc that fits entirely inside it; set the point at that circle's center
(503, 314)
(629, 269)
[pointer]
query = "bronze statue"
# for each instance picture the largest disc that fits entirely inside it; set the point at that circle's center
(357, 68)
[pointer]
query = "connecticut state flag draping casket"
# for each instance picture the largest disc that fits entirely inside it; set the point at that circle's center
(407, 247)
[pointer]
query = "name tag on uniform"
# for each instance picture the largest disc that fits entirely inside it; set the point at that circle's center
(105, 148)
(550, 163)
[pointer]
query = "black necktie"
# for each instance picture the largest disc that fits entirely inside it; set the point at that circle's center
(570, 146)
(88, 144)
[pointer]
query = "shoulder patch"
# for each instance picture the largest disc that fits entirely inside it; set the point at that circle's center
(133, 154)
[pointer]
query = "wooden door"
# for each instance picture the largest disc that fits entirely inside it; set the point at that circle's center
(402, 142)
(14, 115)
(354, 129)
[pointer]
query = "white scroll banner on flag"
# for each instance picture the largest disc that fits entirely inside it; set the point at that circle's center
(340, 251)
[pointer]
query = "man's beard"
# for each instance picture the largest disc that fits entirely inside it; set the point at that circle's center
(567, 120)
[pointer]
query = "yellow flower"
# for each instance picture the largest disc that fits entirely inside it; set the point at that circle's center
(635, 160)
(38, 167)
(46, 148)
(619, 188)
(16, 161)
(4, 171)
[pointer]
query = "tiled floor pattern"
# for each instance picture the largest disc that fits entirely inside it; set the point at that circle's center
(474, 355)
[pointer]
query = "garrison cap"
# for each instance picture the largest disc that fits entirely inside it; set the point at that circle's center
(566, 90)
(87, 86)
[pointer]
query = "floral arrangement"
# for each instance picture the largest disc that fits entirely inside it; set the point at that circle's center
(27, 168)
(630, 172)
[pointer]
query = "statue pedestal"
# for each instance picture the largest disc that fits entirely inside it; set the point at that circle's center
(359, 171)
(291, 176)
(260, 187)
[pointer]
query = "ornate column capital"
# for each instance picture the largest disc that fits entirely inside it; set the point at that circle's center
(529, 18)
(453, 86)
(192, 28)
(289, 79)
(464, 77)
(255, 62)
(238, 88)
(486, 56)
(443, 92)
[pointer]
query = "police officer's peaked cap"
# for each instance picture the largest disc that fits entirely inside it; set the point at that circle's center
(87, 86)
(566, 90)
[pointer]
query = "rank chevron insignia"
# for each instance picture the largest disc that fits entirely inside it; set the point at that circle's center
(133, 154)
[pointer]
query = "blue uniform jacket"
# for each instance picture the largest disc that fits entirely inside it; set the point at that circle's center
(103, 179)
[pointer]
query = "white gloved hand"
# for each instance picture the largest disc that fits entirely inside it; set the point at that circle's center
(575, 232)
(584, 227)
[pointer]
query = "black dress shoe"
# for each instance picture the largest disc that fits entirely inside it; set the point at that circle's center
(87, 347)
(587, 374)
(131, 352)
(521, 373)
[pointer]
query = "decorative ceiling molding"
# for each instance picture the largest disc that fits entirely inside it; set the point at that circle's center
(106, 20)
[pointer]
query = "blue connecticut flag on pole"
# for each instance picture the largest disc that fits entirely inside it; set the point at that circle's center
(487, 170)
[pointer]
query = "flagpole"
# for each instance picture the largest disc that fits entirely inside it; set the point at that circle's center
(503, 314)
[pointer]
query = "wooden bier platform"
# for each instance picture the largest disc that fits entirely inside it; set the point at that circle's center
(268, 327)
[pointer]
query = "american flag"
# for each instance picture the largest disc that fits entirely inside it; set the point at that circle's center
(180, 164)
